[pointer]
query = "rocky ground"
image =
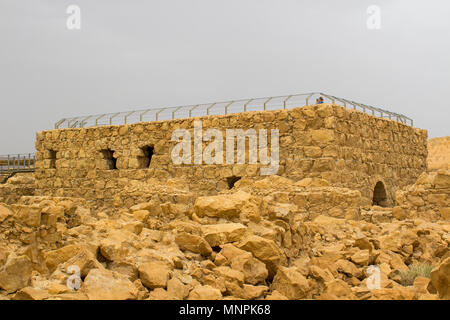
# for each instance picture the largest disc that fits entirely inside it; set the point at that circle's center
(271, 239)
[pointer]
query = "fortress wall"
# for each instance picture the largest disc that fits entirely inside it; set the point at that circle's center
(348, 148)
(374, 149)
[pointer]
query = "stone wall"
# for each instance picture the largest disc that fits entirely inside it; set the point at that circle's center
(21, 184)
(428, 198)
(439, 153)
(348, 148)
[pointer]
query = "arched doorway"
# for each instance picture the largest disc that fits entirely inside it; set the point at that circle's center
(380, 195)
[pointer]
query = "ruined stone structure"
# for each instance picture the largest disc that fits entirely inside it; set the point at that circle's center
(346, 147)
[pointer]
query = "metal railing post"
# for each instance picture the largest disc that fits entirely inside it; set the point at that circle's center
(98, 118)
(84, 121)
(285, 100)
(192, 109)
(141, 116)
(266, 103)
(226, 107)
(309, 97)
(112, 117)
(246, 104)
(157, 114)
(128, 114)
(173, 112)
(207, 109)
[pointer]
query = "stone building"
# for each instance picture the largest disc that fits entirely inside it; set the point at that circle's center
(346, 147)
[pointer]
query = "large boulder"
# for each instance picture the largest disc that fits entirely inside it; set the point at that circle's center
(440, 278)
(4, 213)
(221, 206)
(102, 284)
(254, 270)
(154, 274)
(54, 258)
(290, 283)
(337, 289)
(205, 293)
(193, 243)
(265, 250)
(219, 234)
(16, 273)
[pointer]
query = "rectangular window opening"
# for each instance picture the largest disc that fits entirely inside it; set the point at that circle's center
(110, 160)
(147, 158)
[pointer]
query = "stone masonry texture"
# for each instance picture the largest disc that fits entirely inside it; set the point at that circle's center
(348, 148)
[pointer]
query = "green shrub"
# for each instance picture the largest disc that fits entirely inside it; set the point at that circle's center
(415, 270)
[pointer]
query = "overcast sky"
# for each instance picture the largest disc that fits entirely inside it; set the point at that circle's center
(137, 54)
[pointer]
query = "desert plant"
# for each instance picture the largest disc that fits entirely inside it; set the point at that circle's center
(415, 270)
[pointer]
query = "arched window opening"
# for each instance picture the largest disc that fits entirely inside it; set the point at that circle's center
(380, 195)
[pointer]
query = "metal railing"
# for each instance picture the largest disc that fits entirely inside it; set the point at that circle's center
(220, 108)
(13, 163)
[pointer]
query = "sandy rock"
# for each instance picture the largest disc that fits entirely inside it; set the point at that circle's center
(125, 268)
(276, 295)
(161, 294)
(337, 290)
(421, 284)
(251, 292)
(85, 260)
(361, 257)
(4, 213)
(396, 293)
(30, 293)
(266, 251)
(323, 275)
(254, 270)
(177, 289)
(16, 273)
(56, 257)
(114, 249)
(205, 293)
(440, 278)
(154, 274)
(108, 285)
(57, 288)
(4, 253)
(193, 243)
(290, 283)
(221, 206)
(348, 268)
(141, 215)
(219, 234)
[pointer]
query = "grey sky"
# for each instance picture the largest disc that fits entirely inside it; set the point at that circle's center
(137, 54)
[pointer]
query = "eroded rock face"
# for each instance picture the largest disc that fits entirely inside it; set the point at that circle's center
(440, 278)
(274, 239)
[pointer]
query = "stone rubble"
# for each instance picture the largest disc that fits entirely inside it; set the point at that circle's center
(273, 238)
